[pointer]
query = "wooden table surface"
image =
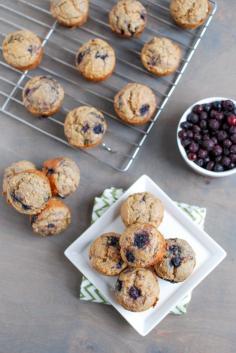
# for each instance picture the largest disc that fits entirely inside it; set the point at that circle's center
(39, 307)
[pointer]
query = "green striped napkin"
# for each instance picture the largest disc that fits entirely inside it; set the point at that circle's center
(87, 290)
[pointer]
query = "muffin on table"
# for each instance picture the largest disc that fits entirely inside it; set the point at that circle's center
(13, 169)
(28, 191)
(70, 13)
(104, 254)
(128, 18)
(95, 60)
(43, 95)
(178, 262)
(142, 245)
(135, 103)
(137, 289)
(142, 207)
(22, 50)
(85, 127)
(53, 219)
(63, 174)
(189, 14)
(161, 56)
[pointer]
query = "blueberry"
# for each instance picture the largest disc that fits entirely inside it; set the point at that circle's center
(203, 116)
(85, 128)
(174, 249)
(185, 142)
(176, 261)
(227, 143)
(182, 134)
(19, 200)
(196, 129)
(233, 138)
(193, 118)
(130, 256)
(222, 135)
(203, 124)
(118, 285)
(206, 160)
(197, 137)
(134, 292)
(227, 105)
(198, 108)
(225, 127)
(217, 150)
(216, 105)
(202, 153)
(102, 56)
(232, 157)
(141, 239)
(233, 149)
(193, 147)
(119, 264)
(219, 116)
(50, 171)
(199, 162)
(208, 145)
(185, 125)
(205, 137)
(226, 151)
(98, 129)
(34, 219)
(80, 57)
(190, 134)
(210, 165)
(207, 107)
(51, 225)
(213, 114)
(143, 16)
(232, 165)
(27, 91)
(225, 161)
(144, 109)
(214, 124)
(214, 140)
(218, 167)
(232, 130)
(113, 241)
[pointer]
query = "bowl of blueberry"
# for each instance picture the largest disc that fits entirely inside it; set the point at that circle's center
(206, 137)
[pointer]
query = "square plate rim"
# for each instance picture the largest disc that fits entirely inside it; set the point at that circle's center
(207, 267)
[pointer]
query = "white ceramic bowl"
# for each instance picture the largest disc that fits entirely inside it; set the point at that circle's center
(191, 164)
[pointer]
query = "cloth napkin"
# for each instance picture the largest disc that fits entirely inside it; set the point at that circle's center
(87, 290)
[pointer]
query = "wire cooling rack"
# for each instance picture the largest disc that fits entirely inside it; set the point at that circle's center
(122, 142)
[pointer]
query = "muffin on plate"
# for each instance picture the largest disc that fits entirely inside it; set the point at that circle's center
(22, 50)
(70, 13)
(43, 95)
(104, 254)
(63, 174)
(189, 14)
(95, 60)
(142, 245)
(85, 127)
(178, 262)
(142, 207)
(28, 191)
(53, 219)
(137, 289)
(161, 56)
(128, 18)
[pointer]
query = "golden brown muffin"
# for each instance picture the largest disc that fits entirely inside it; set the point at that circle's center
(70, 13)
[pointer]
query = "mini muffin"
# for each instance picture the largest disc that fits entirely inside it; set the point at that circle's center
(189, 14)
(142, 207)
(178, 262)
(53, 219)
(95, 60)
(12, 170)
(137, 289)
(161, 56)
(28, 191)
(85, 127)
(128, 18)
(22, 50)
(63, 174)
(70, 13)
(142, 245)
(43, 95)
(135, 104)
(104, 254)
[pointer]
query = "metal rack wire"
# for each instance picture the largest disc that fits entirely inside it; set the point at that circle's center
(122, 142)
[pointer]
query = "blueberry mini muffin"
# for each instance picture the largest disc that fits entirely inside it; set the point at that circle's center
(85, 127)
(142, 245)
(29, 191)
(43, 95)
(95, 60)
(128, 18)
(22, 50)
(178, 262)
(142, 207)
(104, 254)
(12, 170)
(70, 13)
(53, 219)
(135, 103)
(161, 56)
(189, 14)
(63, 174)
(137, 289)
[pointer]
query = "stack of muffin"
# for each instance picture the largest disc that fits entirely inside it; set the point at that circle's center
(38, 193)
(141, 253)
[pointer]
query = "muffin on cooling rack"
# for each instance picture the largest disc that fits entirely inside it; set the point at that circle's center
(70, 13)
(128, 18)
(43, 95)
(189, 14)
(53, 219)
(85, 127)
(135, 104)
(161, 56)
(95, 60)
(63, 174)
(22, 50)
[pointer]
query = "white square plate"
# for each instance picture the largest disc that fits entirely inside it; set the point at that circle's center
(175, 224)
